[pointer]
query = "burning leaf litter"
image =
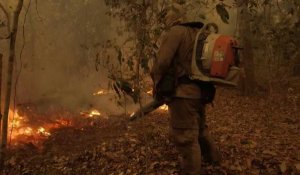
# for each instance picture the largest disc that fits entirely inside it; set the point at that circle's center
(43, 131)
(164, 107)
(150, 92)
(94, 113)
(101, 92)
(19, 127)
(30, 127)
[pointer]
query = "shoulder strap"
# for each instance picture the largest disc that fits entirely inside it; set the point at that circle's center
(200, 43)
(196, 74)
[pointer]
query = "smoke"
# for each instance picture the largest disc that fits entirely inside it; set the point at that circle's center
(208, 14)
(58, 60)
(58, 67)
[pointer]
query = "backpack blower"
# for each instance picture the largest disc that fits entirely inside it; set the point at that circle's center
(215, 59)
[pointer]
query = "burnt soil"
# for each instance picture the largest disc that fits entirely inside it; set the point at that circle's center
(256, 135)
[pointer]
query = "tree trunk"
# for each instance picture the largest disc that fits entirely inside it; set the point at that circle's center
(12, 48)
(1, 65)
(140, 34)
(8, 21)
(247, 53)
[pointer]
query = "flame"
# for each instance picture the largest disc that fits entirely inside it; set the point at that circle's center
(132, 114)
(150, 92)
(25, 131)
(94, 113)
(101, 92)
(16, 123)
(20, 127)
(63, 122)
(15, 119)
(164, 107)
(23, 128)
(42, 131)
(91, 114)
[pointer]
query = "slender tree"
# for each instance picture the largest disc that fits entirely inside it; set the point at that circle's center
(12, 50)
(8, 22)
(1, 56)
(1, 66)
(247, 54)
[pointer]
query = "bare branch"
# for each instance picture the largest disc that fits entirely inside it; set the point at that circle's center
(279, 8)
(37, 11)
(3, 9)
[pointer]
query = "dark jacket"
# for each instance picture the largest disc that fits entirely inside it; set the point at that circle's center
(176, 50)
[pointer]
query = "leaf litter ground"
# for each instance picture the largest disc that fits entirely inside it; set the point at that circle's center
(256, 135)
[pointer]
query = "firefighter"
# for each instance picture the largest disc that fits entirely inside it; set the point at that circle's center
(188, 129)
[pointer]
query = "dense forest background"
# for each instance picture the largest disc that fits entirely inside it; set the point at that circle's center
(63, 43)
(86, 58)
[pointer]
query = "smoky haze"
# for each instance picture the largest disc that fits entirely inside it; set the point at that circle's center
(58, 61)
(58, 66)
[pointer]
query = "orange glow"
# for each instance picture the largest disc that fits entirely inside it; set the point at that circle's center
(34, 128)
(94, 113)
(16, 122)
(63, 122)
(28, 131)
(150, 92)
(43, 131)
(164, 107)
(19, 126)
(101, 92)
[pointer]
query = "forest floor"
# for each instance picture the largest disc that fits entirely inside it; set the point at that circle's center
(256, 135)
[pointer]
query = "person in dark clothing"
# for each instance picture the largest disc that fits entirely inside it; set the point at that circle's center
(188, 129)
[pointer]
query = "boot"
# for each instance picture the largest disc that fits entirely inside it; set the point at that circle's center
(209, 151)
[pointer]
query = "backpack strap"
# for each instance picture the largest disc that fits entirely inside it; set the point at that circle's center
(200, 43)
(196, 74)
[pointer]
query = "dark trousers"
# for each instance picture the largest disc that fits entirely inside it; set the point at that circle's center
(190, 135)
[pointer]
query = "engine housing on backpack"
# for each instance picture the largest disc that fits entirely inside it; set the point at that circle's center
(215, 59)
(218, 54)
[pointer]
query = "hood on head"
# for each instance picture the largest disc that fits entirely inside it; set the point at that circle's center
(177, 16)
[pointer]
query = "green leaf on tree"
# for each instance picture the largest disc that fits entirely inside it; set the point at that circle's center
(223, 13)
